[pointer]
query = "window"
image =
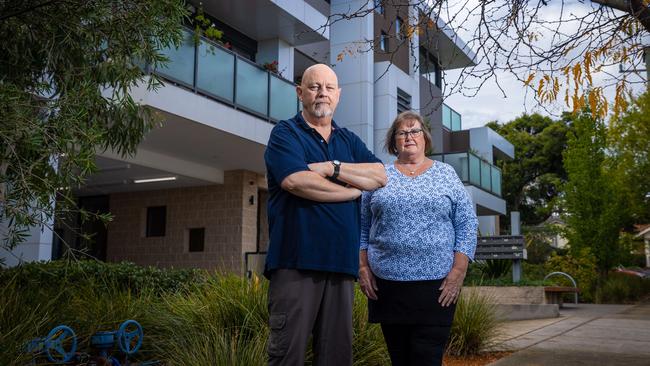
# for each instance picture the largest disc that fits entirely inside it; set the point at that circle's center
(403, 101)
(156, 220)
(196, 239)
(379, 8)
(383, 42)
(398, 28)
(429, 67)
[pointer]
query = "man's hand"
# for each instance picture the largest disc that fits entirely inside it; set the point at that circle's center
(367, 283)
(325, 169)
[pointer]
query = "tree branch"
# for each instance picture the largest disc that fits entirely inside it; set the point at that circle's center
(636, 8)
(29, 9)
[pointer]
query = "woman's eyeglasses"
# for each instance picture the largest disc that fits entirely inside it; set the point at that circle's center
(416, 132)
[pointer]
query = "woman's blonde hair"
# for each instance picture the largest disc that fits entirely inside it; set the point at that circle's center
(390, 145)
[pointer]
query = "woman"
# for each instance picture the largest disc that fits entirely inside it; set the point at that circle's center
(418, 234)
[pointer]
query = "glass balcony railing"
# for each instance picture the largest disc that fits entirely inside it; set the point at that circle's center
(473, 170)
(216, 72)
(451, 119)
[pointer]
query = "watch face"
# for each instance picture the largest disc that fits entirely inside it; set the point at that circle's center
(336, 162)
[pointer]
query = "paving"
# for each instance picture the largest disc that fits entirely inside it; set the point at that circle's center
(584, 334)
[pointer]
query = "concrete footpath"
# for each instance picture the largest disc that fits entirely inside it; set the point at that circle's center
(584, 334)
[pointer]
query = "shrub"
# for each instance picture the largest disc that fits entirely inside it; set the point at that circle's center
(475, 325)
(582, 268)
(532, 275)
(495, 268)
(220, 322)
(534, 272)
(125, 275)
(538, 244)
(214, 320)
(621, 288)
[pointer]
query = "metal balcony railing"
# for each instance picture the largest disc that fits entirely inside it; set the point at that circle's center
(209, 69)
(451, 119)
(473, 170)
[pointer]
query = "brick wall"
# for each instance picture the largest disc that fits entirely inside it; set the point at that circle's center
(225, 211)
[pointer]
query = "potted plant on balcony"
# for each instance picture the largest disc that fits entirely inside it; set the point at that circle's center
(271, 66)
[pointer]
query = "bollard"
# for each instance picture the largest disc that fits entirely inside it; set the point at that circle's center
(515, 229)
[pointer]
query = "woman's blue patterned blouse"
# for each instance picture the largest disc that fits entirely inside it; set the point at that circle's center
(412, 226)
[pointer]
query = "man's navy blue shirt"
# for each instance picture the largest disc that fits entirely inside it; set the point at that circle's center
(306, 234)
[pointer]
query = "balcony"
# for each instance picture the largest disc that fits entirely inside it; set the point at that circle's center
(473, 170)
(208, 69)
(451, 119)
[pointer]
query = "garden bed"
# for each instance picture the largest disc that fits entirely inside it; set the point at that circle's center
(475, 360)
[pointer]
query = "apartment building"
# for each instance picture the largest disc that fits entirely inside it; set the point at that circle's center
(195, 193)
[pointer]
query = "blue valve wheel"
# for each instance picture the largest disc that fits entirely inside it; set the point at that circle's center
(129, 337)
(61, 344)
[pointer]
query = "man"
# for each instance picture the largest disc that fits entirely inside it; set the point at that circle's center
(316, 171)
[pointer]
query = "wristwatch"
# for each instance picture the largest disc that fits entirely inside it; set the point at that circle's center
(337, 169)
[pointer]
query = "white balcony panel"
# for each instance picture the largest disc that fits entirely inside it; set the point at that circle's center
(188, 105)
(295, 22)
(485, 202)
(488, 143)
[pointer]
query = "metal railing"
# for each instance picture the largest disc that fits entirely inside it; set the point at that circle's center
(451, 119)
(207, 68)
(575, 285)
(473, 170)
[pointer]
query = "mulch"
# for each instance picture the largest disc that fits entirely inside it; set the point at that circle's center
(476, 360)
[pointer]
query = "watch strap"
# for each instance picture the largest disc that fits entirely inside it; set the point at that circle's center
(337, 170)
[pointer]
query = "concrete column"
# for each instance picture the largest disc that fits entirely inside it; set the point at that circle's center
(36, 247)
(38, 243)
(355, 69)
(277, 50)
(243, 187)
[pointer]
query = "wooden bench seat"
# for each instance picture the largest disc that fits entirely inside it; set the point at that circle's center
(554, 294)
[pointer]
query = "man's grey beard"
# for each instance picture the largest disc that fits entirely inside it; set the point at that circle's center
(321, 112)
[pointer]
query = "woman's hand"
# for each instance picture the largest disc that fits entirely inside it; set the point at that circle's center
(451, 287)
(367, 282)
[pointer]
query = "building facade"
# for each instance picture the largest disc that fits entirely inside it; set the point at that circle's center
(195, 193)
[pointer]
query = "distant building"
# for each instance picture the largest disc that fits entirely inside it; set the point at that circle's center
(554, 221)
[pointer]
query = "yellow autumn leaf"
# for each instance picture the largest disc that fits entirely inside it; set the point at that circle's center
(529, 79)
(593, 102)
(540, 87)
(566, 98)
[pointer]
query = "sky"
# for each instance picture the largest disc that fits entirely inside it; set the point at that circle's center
(490, 104)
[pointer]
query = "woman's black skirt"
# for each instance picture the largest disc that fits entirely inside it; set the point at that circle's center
(409, 302)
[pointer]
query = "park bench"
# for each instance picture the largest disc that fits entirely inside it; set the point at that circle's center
(554, 294)
(502, 247)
